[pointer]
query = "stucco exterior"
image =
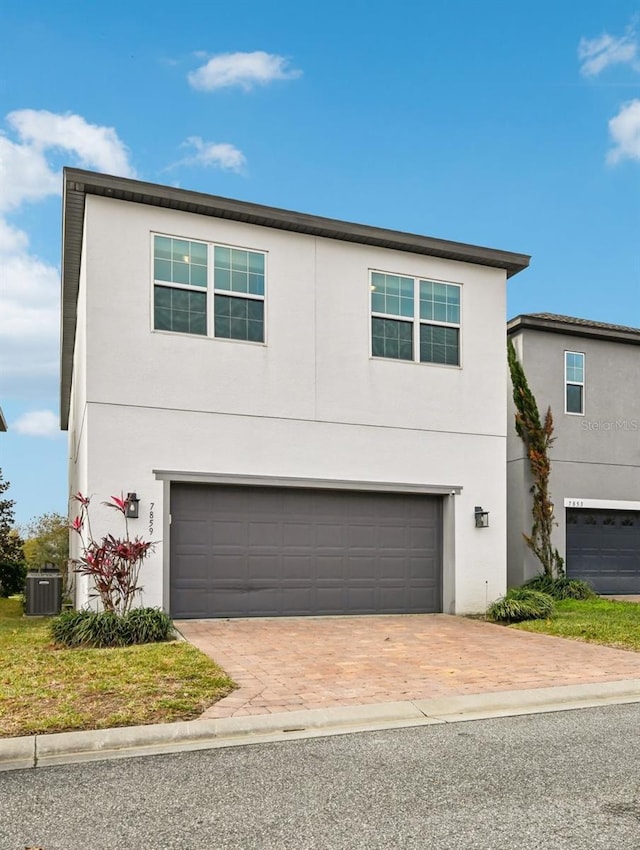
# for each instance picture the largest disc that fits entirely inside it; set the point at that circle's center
(595, 458)
(311, 403)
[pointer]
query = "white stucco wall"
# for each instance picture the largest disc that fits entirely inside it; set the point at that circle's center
(78, 427)
(311, 403)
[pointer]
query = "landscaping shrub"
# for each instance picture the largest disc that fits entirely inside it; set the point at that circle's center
(12, 579)
(521, 603)
(561, 587)
(147, 625)
(112, 563)
(106, 629)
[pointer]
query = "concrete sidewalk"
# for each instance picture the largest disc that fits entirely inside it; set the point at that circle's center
(69, 747)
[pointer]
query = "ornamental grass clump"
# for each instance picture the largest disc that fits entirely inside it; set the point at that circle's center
(102, 629)
(113, 563)
(561, 587)
(519, 604)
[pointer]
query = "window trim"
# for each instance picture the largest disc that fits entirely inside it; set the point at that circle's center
(416, 321)
(568, 383)
(209, 290)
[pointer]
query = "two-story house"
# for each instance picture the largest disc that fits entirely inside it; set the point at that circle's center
(589, 374)
(311, 412)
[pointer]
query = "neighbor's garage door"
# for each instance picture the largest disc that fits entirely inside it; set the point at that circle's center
(269, 551)
(603, 548)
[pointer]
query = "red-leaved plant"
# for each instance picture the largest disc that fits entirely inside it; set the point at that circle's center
(112, 562)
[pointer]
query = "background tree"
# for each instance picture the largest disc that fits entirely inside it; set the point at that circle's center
(12, 571)
(47, 541)
(537, 437)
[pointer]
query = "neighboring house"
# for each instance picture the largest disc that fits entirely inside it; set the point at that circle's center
(308, 410)
(3, 421)
(589, 374)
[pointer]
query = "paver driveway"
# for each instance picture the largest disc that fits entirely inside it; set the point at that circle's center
(293, 663)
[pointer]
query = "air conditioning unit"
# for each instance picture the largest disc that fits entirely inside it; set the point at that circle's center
(43, 593)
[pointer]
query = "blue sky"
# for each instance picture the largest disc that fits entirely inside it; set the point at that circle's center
(505, 124)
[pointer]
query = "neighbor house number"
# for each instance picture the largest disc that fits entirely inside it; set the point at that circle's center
(575, 503)
(151, 517)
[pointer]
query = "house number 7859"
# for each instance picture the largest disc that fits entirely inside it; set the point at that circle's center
(151, 517)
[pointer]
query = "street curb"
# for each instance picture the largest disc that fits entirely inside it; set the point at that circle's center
(129, 741)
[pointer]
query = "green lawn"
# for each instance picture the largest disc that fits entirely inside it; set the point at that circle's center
(43, 689)
(595, 620)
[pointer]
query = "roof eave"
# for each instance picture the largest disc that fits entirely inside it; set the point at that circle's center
(521, 323)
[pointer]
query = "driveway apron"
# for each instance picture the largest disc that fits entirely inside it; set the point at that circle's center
(293, 663)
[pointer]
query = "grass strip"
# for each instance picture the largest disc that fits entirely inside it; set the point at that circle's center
(44, 689)
(603, 621)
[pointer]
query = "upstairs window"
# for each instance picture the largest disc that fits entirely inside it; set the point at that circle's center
(180, 285)
(574, 382)
(415, 319)
(208, 290)
(238, 281)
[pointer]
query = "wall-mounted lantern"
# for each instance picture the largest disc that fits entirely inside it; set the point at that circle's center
(482, 517)
(132, 505)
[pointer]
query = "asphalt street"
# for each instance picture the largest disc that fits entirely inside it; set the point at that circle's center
(565, 780)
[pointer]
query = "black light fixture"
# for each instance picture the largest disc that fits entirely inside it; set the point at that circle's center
(132, 505)
(482, 517)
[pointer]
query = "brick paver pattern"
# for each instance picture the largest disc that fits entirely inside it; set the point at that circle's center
(292, 663)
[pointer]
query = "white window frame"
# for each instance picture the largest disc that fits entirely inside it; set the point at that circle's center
(210, 290)
(416, 321)
(568, 383)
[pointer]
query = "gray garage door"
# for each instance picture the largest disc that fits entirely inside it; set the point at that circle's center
(269, 551)
(603, 548)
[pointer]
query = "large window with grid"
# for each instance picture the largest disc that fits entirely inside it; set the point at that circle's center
(574, 382)
(207, 289)
(415, 319)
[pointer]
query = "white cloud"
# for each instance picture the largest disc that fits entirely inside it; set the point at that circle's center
(37, 423)
(214, 154)
(26, 174)
(95, 146)
(29, 287)
(624, 129)
(29, 307)
(241, 69)
(12, 240)
(596, 54)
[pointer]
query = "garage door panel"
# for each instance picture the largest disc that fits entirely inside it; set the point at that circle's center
(359, 567)
(297, 534)
(360, 536)
(264, 534)
(393, 537)
(228, 533)
(424, 538)
(330, 535)
(267, 551)
(229, 567)
(296, 600)
(361, 599)
(329, 567)
(297, 567)
(197, 565)
(191, 599)
(263, 568)
(392, 569)
(603, 548)
(191, 532)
